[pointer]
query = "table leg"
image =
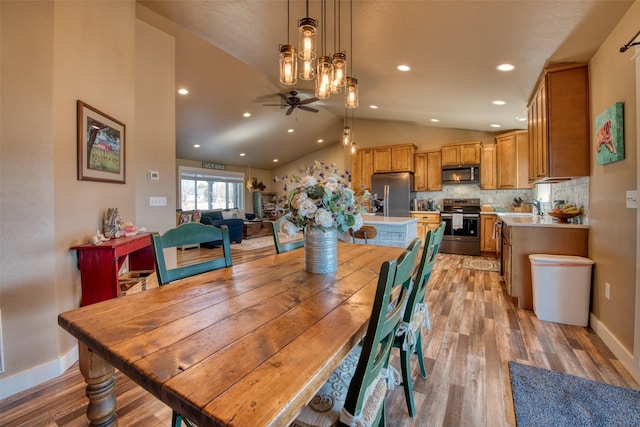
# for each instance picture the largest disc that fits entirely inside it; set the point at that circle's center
(101, 381)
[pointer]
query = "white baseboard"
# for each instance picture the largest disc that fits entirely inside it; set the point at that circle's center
(35, 376)
(616, 347)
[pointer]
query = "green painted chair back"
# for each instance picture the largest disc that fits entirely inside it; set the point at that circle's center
(416, 314)
(186, 234)
(284, 246)
(391, 296)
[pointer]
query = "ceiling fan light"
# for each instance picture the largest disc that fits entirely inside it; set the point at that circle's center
(323, 80)
(288, 65)
(308, 31)
(308, 70)
(351, 100)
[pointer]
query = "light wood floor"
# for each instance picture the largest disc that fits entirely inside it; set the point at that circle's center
(475, 332)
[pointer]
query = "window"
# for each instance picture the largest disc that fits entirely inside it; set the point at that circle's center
(204, 189)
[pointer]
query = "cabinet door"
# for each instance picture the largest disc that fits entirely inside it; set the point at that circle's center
(450, 155)
(402, 158)
(507, 161)
(487, 243)
(420, 173)
(470, 154)
(434, 171)
(356, 170)
(382, 160)
(488, 167)
(366, 171)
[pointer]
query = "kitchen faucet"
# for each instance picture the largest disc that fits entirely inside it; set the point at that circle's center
(535, 203)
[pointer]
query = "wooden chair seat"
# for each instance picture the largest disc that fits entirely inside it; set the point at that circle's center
(365, 232)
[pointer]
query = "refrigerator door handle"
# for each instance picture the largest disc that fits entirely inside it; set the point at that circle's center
(385, 207)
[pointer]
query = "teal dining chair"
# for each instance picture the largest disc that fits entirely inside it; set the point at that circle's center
(284, 246)
(409, 335)
(355, 392)
(186, 234)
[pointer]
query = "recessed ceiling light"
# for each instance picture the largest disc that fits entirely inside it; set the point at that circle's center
(373, 107)
(320, 141)
(505, 67)
(183, 91)
(495, 125)
(434, 120)
(499, 102)
(403, 67)
(246, 115)
(521, 118)
(275, 160)
(243, 154)
(196, 145)
(290, 130)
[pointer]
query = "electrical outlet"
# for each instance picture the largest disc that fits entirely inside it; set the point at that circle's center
(157, 201)
(607, 290)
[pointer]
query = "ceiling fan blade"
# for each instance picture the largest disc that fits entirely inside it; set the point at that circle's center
(272, 105)
(286, 99)
(290, 110)
(308, 101)
(302, 107)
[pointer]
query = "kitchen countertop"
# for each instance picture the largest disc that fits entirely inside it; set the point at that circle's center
(375, 219)
(515, 219)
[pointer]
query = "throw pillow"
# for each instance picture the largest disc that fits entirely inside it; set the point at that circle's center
(215, 215)
(185, 218)
(206, 220)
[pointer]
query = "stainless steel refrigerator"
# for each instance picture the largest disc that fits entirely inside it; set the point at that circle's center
(392, 193)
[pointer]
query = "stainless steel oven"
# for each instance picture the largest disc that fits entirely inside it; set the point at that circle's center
(462, 229)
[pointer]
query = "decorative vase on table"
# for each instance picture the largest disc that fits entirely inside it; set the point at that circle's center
(320, 249)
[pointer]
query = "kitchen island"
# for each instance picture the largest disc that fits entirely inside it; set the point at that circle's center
(392, 231)
(525, 234)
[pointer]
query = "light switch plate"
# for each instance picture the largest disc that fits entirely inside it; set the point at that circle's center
(157, 201)
(632, 199)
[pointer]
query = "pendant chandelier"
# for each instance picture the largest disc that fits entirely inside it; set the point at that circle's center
(330, 72)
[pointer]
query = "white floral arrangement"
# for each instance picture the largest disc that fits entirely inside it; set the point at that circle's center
(321, 198)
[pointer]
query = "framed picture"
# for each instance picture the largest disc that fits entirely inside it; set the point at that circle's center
(101, 146)
(610, 135)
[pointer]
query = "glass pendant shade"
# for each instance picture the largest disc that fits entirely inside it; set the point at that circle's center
(346, 136)
(351, 100)
(308, 70)
(308, 31)
(323, 79)
(339, 78)
(353, 148)
(288, 65)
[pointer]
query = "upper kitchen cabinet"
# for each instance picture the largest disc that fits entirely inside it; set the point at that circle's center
(467, 153)
(488, 167)
(362, 168)
(428, 171)
(512, 153)
(559, 124)
(394, 158)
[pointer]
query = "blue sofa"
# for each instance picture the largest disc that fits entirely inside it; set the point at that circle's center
(215, 218)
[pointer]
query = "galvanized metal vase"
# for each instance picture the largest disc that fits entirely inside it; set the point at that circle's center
(320, 250)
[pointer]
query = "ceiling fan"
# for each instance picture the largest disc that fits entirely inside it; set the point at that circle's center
(293, 101)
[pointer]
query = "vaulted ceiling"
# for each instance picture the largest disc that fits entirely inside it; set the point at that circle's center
(227, 57)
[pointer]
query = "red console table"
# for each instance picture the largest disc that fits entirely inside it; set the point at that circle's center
(99, 264)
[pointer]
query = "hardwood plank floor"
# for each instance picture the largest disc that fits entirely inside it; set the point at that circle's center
(475, 331)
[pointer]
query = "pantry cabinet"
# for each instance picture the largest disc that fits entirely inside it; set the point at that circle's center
(558, 124)
(487, 236)
(488, 167)
(361, 169)
(512, 153)
(467, 153)
(394, 158)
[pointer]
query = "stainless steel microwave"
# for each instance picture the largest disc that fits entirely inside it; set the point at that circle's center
(460, 174)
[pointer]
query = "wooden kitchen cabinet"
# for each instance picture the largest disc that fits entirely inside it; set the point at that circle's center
(361, 169)
(558, 124)
(488, 167)
(434, 171)
(512, 154)
(467, 153)
(426, 221)
(394, 158)
(420, 172)
(487, 241)
(521, 241)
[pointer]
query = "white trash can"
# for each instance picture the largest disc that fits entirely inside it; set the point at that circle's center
(561, 286)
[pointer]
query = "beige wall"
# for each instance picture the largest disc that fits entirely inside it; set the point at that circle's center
(612, 238)
(53, 53)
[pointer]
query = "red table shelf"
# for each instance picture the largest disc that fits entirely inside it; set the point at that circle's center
(99, 264)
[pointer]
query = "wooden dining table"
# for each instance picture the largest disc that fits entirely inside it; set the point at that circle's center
(247, 345)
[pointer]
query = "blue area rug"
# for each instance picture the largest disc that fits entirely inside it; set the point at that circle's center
(546, 398)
